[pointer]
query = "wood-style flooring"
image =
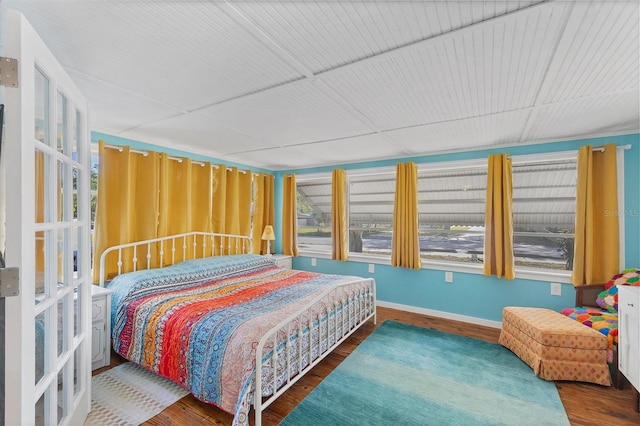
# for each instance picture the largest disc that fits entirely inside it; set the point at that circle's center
(585, 404)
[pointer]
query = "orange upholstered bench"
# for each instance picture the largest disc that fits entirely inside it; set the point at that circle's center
(555, 346)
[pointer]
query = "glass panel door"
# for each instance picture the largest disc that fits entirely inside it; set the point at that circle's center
(48, 233)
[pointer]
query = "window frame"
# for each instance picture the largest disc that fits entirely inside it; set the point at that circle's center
(522, 272)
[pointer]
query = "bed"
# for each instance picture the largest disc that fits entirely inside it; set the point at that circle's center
(211, 322)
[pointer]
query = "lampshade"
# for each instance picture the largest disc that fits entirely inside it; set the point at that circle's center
(268, 233)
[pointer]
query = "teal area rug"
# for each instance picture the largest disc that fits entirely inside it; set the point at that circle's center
(407, 375)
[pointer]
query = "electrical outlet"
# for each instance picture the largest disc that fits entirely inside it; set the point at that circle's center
(556, 289)
(448, 277)
(313, 261)
(372, 268)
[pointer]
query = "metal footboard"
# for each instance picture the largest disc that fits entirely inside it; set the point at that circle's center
(294, 346)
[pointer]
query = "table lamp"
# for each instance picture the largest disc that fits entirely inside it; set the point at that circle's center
(269, 236)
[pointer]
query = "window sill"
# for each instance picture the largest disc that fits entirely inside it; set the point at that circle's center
(469, 268)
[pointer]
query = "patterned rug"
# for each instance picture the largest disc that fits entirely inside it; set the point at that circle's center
(129, 395)
(407, 375)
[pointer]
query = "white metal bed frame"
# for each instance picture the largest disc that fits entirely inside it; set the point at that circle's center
(356, 309)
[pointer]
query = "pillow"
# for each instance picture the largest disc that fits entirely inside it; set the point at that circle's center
(608, 299)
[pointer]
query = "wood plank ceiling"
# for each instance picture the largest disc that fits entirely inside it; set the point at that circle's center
(287, 85)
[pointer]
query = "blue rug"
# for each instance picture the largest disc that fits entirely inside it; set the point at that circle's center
(407, 375)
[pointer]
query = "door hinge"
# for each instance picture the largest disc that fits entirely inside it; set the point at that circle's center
(9, 282)
(8, 72)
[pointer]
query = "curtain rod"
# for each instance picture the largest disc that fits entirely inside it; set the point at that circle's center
(120, 149)
(595, 148)
(178, 159)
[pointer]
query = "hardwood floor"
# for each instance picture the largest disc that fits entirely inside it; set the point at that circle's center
(585, 404)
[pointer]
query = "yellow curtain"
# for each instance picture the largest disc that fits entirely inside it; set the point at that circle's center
(39, 176)
(245, 197)
(201, 190)
(339, 231)
(175, 207)
(289, 216)
(405, 245)
(127, 205)
(231, 206)
(498, 220)
(596, 245)
(263, 210)
(218, 218)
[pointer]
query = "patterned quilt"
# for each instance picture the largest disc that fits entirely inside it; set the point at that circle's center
(199, 322)
(599, 319)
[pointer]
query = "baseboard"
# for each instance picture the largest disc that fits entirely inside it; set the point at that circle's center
(440, 314)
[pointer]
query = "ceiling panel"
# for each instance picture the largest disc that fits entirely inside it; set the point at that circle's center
(354, 150)
(276, 159)
(325, 35)
(107, 101)
(497, 129)
(186, 54)
(484, 70)
(290, 115)
(592, 62)
(587, 116)
(198, 134)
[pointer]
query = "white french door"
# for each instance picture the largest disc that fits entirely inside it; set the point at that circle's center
(46, 161)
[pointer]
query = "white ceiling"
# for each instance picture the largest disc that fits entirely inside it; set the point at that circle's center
(287, 85)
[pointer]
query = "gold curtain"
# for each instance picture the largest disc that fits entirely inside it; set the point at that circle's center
(201, 203)
(127, 205)
(405, 245)
(289, 216)
(40, 252)
(263, 210)
(218, 218)
(596, 245)
(201, 197)
(231, 206)
(245, 197)
(339, 231)
(39, 177)
(175, 207)
(498, 220)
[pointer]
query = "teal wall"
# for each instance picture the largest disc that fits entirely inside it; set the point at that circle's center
(470, 294)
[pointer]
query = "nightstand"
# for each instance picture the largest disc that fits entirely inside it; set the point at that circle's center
(100, 326)
(283, 260)
(629, 336)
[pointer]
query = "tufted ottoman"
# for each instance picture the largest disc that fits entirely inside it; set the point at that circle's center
(555, 346)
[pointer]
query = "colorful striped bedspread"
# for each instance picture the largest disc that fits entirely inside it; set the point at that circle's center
(199, 322)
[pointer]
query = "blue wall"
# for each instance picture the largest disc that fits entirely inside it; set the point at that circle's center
(470, 294)
(473, 294)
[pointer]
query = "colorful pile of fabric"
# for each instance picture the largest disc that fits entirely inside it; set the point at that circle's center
(602, 321)
(608, 299)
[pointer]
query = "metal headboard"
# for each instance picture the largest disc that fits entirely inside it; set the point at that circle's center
(204, 244)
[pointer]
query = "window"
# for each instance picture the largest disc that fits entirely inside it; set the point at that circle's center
(314, 213)
(451, 208)
(451, 205)
(544, 210)
(370, 200)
